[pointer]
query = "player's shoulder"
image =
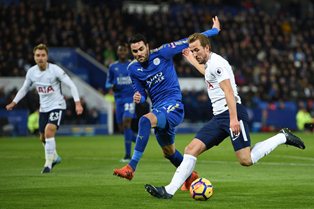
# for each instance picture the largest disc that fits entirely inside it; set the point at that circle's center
(217, 60)
(113, 64)
(54, 66)
(133, 64)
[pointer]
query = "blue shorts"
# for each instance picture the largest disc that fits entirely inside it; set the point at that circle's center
(168, 116)
(218, 128)
(53, 117)
(124, 110)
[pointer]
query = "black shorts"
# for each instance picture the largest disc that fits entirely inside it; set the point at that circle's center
(218, 128)
(53, 117)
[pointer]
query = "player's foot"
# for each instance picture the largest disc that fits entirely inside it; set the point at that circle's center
(126, 172)
(159, 192)
(125, 160)
(186, 185)
(46, 170)
(56, 161)
(292, 139)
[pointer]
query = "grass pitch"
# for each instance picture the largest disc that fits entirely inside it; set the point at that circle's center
(284, 179)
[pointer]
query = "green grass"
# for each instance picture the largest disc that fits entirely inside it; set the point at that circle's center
(284, 179)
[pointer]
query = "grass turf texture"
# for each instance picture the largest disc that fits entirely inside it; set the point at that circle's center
(284, 179)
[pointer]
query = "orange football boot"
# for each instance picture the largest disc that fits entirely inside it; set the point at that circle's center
(186, 185)
(126, 172)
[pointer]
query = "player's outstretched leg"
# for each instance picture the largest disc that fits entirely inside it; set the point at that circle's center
(188, 181)
(292, 139)
(159, 192)
(126, 172)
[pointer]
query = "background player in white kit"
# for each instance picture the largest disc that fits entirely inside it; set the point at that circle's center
(47, 78)
(230, 118)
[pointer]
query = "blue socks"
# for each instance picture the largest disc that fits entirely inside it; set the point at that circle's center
(176, 158)
(128, 134)
(141, 141)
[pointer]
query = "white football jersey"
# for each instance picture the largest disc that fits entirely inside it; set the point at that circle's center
(48, 86)
(218, 69)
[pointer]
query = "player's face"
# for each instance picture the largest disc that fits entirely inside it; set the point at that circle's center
(140, 51)
(200, 53)
(123, 52)
(41, 58)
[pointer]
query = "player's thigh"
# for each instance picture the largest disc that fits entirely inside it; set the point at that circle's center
(171, 115)
(211, 134)
(243, 139)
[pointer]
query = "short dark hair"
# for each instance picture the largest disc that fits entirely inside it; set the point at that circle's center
(137, 38)
(123, 44)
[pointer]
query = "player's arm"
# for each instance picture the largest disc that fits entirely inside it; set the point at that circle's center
(140, 95)
(21, 93)
(173, 48)
(110, 79)
(191, 59)
(225, 85)
(67, 81)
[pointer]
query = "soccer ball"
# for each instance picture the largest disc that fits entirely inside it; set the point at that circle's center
(201, 189)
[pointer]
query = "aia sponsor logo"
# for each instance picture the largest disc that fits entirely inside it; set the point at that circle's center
(45, 89)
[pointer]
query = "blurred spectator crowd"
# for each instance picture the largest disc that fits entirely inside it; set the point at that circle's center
(270, 44)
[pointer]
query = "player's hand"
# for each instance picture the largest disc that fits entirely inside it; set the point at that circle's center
(78, 108)
(216, 23)
(10, 106)
(137, 97)
(189, 56)
(235, 127)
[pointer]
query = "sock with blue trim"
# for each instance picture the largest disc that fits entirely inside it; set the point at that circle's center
(141, 141)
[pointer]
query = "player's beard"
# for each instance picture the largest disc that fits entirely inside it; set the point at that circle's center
(42, 65)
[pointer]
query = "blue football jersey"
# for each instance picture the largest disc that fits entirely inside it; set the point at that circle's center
(119, 77)
(157, 75)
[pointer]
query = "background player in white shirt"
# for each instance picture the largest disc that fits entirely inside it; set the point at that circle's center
(230, 118)
(47, 78)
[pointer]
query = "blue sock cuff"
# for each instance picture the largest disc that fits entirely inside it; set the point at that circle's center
(176, 158)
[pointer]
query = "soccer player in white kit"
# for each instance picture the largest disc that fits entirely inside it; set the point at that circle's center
(47, 78)
(230, 118)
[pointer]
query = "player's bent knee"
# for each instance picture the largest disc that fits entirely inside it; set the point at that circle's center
(245, 161)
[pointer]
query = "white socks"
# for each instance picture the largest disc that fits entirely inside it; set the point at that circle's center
(182, 173)
(50, 150)
(263, 148)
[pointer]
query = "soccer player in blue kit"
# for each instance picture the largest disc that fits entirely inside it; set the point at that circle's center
(121, 83)
(154, 72)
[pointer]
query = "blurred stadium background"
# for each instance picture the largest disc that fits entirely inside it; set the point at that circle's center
(270, 45)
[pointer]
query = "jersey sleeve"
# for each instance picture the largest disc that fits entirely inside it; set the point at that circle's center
(176, 47)
(110, 78)
(64, 78)
(24, 89)
(137, 86)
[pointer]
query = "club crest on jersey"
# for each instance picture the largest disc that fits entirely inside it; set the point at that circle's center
(156, 61)
(219, 71)
(45, 89)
